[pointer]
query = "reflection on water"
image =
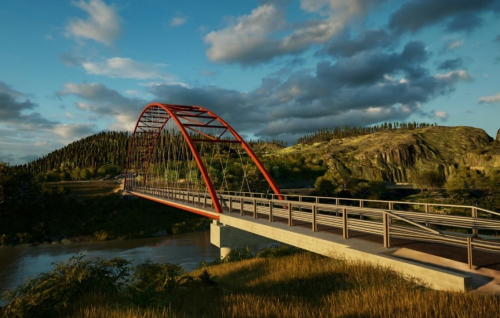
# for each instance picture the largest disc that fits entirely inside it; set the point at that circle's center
(187, 250)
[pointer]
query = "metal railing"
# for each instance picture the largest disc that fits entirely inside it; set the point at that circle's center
(329, 212)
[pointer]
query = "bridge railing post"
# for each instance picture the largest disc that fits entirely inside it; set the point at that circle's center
(385, 225)
(290, 220)
(469, 252)
(391, 207)
(254, 208)
(230, 204)
(361, 205)
(271, 211)
(475, 232)
(345, 229)
(314, 213)
(241, 206)
(427, 210)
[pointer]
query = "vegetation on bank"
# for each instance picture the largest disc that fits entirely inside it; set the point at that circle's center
(277, 283)
(31, 213)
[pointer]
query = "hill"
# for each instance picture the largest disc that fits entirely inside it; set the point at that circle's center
(396, 155)
(391, 155)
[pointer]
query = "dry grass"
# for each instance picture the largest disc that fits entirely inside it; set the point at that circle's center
(304, 285)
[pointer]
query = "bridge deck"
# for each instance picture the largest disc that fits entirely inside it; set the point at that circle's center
(381, 232)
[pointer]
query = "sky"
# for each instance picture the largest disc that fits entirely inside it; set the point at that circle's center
(271, 69)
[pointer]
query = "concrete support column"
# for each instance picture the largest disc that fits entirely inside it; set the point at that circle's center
(227, 237)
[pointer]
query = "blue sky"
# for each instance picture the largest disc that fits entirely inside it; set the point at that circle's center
(272, 69)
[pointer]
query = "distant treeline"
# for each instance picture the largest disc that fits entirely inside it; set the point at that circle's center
(278, 142)
(327, 134)
(99, 150)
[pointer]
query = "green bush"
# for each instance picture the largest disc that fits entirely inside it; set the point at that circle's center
(156, 284)
(48, 294)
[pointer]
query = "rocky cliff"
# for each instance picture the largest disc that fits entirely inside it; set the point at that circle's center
(394, 156)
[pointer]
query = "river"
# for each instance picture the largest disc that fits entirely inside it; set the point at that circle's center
(187, 250)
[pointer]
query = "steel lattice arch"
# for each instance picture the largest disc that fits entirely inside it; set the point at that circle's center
(167, 128)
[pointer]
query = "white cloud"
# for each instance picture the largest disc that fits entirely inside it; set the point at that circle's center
(118, 67)
(452, 45)
(264, 33)
(72, 131)
(42, 143)
(102, 25)
(248, 36)
(442, 114)
(178, 20)
(490, 99)
(455, 76)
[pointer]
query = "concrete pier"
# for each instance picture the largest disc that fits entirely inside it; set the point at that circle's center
(227, 237)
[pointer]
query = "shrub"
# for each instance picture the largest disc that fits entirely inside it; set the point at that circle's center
(156, 284)
(48, 294)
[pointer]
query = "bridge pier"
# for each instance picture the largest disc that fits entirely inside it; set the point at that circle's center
(227, 238)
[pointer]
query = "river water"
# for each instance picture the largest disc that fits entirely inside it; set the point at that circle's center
(187, 250)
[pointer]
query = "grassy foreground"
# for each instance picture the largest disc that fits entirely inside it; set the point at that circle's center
(298, 285)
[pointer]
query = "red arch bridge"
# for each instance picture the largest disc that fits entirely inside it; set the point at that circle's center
(190, 158)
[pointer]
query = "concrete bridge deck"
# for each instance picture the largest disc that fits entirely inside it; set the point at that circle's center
(436, 265)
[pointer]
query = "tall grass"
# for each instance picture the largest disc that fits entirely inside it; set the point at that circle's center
(298, 285)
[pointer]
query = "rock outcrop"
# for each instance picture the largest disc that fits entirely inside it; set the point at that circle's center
(395, 156)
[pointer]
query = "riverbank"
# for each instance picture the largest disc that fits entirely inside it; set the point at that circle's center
(188, 249)
(297, 285)
(60, 218)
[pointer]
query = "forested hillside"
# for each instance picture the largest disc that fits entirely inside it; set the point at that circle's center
(82, 159)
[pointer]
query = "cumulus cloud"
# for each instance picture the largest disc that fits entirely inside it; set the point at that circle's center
(490, 99)
(362, 89)
(452, 45)
(103, 101)
(414, 15)
(451, 64)
(71, 59)
(14, 107)
(102, 24)
(74, 131)
(441, 115)
(178, 20)
(454, 76)
(368, 67)
(265, 34)
(345, 45)
(118, 67)
(464, 22)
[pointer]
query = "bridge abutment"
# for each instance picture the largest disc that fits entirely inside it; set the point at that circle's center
(227, 238)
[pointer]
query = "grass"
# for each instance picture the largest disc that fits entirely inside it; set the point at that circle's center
(300, 285)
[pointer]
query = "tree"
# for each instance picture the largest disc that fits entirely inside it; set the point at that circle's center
(461, 185)
(427, 179)
(18, 192)
(328, 185)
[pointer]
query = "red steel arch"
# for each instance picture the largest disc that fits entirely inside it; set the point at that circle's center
(154, 117)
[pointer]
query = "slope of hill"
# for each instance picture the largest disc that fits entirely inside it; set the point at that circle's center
(395, 155)
(93, 151)
(390, 155)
